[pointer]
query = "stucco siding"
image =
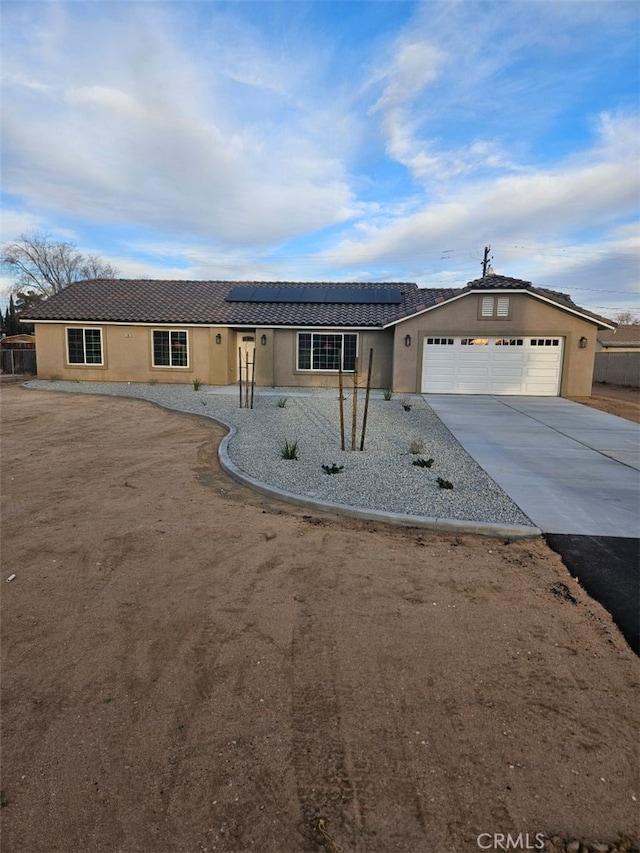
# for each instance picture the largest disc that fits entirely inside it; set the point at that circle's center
(529, 317)
(128, 356)
(127, 353)
(284, 360)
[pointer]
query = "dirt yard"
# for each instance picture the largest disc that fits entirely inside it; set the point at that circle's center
(615, 399)
(188, 666)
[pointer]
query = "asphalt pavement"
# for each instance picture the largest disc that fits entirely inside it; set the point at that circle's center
(607, 567)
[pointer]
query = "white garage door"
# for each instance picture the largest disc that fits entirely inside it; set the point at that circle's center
(492, 365)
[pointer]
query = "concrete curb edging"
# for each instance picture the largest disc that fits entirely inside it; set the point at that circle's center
(437, 525)
(440, 525)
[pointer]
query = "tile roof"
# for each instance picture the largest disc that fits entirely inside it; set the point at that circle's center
(492, 281)
(623, 336)
(156, 301)
(503, 282)
(193, 302)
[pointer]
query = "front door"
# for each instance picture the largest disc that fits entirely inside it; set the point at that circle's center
(246, 354)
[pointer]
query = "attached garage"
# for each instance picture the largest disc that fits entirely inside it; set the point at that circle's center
(492, 365)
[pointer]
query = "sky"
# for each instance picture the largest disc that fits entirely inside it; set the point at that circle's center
(330, 141)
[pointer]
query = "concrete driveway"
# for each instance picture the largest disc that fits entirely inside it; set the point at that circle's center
(570, 468)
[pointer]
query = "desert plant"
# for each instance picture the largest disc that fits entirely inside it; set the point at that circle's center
(387, 394)
(289, 450)
(332, 469)
(282, 402)
(196, 384)
(423, 463)
(416, 446)
(445, 484)
(406, 405)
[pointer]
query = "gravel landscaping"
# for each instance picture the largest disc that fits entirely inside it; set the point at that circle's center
(382, 478)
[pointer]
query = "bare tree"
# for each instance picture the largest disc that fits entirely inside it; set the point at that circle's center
(44, 266)
(627, 318)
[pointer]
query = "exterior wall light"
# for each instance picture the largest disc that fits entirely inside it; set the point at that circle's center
(582, 343)
(263, 340)
(218, 338)
(407, 340)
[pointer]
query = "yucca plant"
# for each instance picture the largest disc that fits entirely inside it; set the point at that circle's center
(289, 450)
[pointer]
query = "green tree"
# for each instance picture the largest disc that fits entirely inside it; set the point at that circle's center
(11, 325)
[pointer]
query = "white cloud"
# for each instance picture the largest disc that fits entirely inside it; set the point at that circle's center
(15, 223)
(255, 145)
(150, 139)
(593, 190)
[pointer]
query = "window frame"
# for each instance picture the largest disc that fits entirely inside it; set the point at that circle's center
(84, 362)
(170, 365)
(324, 334)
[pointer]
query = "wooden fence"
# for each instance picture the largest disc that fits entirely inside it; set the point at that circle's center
(18, 361)
(617, 368)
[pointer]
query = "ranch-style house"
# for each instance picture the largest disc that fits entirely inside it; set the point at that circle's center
(495, 335)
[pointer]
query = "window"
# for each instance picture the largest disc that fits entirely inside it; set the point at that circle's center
(84, 346)
(322, 352)
(170, 349)
(442, 341)
(475, 342)
(508, 342)
(545, 342)
(495, 307)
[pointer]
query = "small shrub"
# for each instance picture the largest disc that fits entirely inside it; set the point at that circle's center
(406, 405)
(282, 402)
(289, 450)
(332, 469)
(196, 384)
(416, 446)
(387, 394)
(445, 484)
(423, 463)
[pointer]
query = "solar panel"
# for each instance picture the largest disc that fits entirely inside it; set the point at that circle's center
(240, 294)
(314, 295)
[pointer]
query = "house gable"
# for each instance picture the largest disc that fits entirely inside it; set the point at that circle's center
(504, 286)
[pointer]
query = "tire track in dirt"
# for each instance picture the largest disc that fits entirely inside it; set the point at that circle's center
(325, 790)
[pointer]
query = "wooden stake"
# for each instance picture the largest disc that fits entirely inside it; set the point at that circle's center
(340, 387)
(354, 419)
(366, 400)
(253, 376)
(246, 383)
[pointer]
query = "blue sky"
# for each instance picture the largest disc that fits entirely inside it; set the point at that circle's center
(341, 141)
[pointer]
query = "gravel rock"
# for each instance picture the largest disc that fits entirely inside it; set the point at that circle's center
(381, 477)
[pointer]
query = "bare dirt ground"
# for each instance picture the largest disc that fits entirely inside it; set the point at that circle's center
(188, 666)
(614, 399)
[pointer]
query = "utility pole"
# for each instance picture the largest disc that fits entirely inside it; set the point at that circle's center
(485, 260)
